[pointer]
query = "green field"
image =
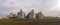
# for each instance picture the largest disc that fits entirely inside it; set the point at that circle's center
(44, 21)
(18, 22)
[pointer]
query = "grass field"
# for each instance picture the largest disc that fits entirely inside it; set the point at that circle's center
(18, 22)
(45, 21)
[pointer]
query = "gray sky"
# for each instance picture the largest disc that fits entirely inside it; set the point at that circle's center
(49, 7)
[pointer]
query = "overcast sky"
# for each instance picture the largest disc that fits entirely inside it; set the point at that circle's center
(49, 7)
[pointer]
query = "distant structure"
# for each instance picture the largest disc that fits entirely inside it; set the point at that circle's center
(1, 17)
(12, 16)
(21, 14)
(31, 15)
(39, 15)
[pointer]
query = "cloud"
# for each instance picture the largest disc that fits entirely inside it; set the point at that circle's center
(14, 6)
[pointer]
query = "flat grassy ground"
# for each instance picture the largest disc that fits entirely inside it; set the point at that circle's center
(45, 21)
(18, 22)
